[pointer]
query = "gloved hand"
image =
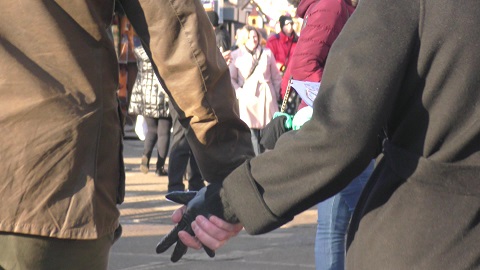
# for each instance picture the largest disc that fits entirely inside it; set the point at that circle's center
(205, 202)
(273, 131)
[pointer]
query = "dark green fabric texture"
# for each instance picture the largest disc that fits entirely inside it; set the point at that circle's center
(23, 252)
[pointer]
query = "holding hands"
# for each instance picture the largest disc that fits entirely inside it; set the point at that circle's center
(212, 232)
(193, 228)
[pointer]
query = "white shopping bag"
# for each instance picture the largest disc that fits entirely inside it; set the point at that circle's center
(140, 127)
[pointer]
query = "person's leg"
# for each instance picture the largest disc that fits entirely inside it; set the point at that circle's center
(329, 241)
(179, 154)
(195, 179)
(334, 217)
(163, 141)
(352, 192)
(149, 144)
(18, 251)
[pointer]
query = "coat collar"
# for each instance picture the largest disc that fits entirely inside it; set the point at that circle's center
(285, 39)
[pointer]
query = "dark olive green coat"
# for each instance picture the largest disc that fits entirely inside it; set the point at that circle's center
(411, 68)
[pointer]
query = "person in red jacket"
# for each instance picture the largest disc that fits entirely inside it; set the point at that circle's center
(283, 44)
(308, 60)
(310, 55)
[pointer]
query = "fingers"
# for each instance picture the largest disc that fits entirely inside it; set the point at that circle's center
(172, 237)
(189, 240)
(234, 229)
(178, 214)
(181, 197)
(209, 252)
(169, 239)
(207, 236)
(192, 242)
(226, 55)
(179, 251)
(211, 235)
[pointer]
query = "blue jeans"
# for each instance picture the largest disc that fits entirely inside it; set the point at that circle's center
(334, 216)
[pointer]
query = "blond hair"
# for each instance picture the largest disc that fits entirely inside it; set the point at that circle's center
(242, 35)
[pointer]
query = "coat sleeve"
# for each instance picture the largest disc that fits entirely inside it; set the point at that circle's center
(272, 44)
(179, 38)
(234, 74)
(359, 90)
(275, 76)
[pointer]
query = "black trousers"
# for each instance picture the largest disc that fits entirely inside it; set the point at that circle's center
(181, 160)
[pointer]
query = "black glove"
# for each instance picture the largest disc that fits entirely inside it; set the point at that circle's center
(205, 202)
(273, 131)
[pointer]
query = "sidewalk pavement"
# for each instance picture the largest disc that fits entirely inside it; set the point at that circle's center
(145, 217)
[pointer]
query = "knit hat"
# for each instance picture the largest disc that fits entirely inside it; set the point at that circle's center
(213, 17)
(285, 20)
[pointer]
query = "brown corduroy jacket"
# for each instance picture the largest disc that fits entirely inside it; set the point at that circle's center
(61, 143)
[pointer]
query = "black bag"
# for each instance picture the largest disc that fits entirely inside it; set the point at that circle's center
(291, 100)
(292, 103)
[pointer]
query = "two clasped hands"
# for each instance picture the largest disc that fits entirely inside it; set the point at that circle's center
(200, 222)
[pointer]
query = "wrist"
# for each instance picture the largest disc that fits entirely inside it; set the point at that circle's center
(218, 204)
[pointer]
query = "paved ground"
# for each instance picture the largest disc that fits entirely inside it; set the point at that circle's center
(145, 216)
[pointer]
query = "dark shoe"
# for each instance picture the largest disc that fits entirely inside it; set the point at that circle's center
(144, 165)
(161, 172)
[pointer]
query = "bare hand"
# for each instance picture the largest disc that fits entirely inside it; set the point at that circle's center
(213, 232)
(192, 228)
(226, 55)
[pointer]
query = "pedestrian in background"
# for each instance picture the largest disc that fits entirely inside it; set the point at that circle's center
(222, 36)
(283, 43)
(255, 79)
(283, 46)
(181, 162)
(150, 100)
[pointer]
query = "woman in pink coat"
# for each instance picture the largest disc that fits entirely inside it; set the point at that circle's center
(255, 78)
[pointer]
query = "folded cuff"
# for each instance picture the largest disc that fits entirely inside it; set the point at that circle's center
(244, 198)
